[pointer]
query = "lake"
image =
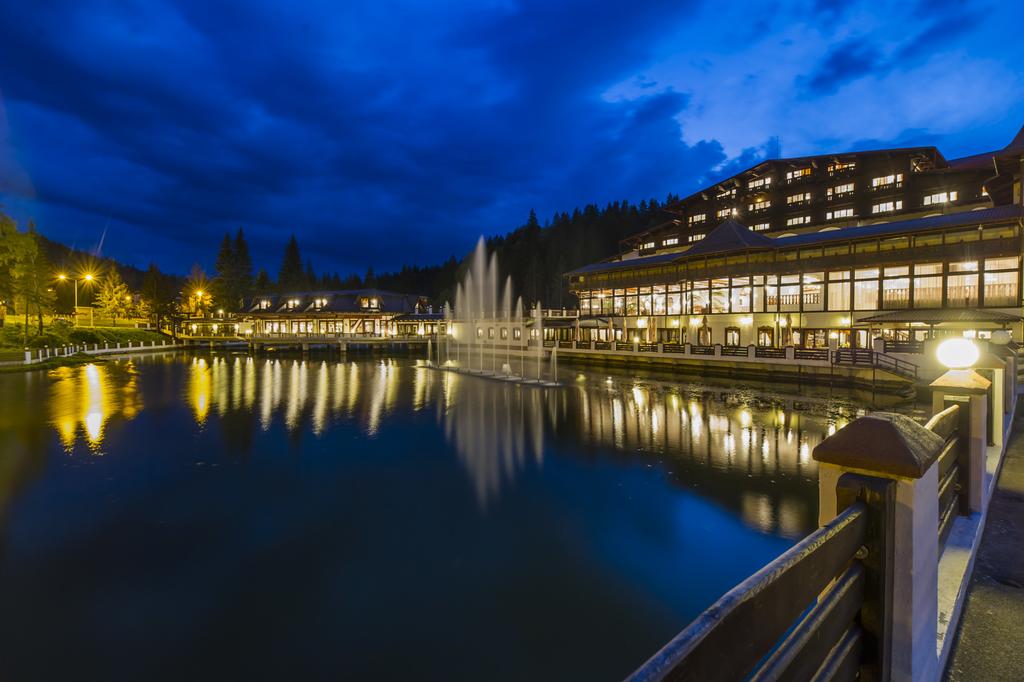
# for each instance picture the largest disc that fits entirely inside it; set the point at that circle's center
(220, 516)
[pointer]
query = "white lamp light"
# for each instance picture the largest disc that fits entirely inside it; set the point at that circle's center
(957, 353)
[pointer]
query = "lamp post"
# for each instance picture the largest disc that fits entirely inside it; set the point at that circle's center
(87, 277)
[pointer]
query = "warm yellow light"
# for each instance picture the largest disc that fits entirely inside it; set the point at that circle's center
(88, 277)
(642, 322)
(957, 353)
(62, 277)
(636, 339)
(782, 322)
(199, 293)
(833, 335)
(747, 320)
(845, 321)
(694, 321)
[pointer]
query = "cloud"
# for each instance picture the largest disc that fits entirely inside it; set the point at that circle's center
(845, 63)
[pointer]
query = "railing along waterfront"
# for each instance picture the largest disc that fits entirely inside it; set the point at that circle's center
(856, 599)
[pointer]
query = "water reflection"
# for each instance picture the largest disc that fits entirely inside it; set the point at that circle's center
(84, 398)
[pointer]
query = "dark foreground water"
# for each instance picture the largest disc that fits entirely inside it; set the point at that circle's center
(222, 517)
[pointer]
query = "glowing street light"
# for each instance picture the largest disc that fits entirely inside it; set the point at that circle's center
(87, 277)
(957, 353)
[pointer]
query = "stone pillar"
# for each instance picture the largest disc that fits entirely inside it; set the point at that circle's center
(28, 356)
(790, 353)
(894, 447)
(718, 350)
(686, 348)
(751, 351)
(878, 344)
(971, 390)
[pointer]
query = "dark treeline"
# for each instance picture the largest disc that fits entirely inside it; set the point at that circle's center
(536, 256)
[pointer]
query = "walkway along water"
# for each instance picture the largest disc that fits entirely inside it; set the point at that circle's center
(875, 591)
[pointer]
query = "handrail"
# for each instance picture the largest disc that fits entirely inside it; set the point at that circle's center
(819, 576)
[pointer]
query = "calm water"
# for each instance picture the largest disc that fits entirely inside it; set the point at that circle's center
(224, 517)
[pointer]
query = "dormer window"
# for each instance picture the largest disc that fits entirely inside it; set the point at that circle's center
(319, 303)
(370, 303)
(263, 304)
(293, 303)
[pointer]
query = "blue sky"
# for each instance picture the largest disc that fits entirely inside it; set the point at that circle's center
(387, 133)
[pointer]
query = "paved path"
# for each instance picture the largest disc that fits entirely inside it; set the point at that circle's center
(990, 641)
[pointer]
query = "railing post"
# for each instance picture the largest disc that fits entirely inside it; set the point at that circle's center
(751, 351)
(28, 357)
(970, 389)
(790, 353)
(686, 348)
(897, 449)
(718, 350)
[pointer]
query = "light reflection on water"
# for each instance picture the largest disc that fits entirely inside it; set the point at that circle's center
(84, 398)
(737, 446)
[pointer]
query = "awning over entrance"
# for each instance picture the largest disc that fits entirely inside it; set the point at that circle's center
(939, 316)
(570, 322)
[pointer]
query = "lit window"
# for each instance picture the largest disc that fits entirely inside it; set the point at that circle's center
(798, 220)
(887, 206)
(940, 198)
(760, 227)
(839, 213)
(648, 245)
(984, 192)
(726, 193)
(264, 304)
(835, 168)
(672, 241)
(839, 190)
(797, 174)
(762, 205)
(887, 180)
(695, 237)
(798, 198)
(759, 183)
(726, 212)
(697, 218)
(517, 333)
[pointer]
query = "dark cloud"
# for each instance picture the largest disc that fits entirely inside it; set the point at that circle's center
(378, 136)
(849, 61)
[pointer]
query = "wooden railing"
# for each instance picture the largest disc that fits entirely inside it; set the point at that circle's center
(821, 354)
(807, 614)
(904, 346)
(702, 350)
(734, 351)
(769, 352)
(954, 469)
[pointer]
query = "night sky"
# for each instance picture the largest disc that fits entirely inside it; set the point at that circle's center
(382, 133)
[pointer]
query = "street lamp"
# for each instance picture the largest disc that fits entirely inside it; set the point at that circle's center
(87, 277)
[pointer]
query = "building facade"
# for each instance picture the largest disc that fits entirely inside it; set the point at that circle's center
(900, 244)
(362, 312)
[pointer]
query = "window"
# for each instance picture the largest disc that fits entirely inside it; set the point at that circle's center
(762, 205)
(884, 181)
(839, 213)
(789, 293)
(760, 227)
(928, 285)
(839, 167)
(759, 183)
(319, 303)
(940, 198)
(671, 241)
(865, 289)
(726, 193)
(695, 237)
(490, 332)
(812, 293)
(264, 304)
(517, 333)
(798, 174)
(887, 206)
(798, 220)
(1001, 282)
(839, 290)
(801, 198)
(732, 336)
(896, 288)
(647, 245)
(839, 191)
(720, 295)
(698, 218)
(726, 212)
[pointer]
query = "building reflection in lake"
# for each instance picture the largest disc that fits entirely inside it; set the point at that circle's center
(84, 398)
(748, 450)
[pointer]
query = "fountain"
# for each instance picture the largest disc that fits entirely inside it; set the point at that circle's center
(484, 322)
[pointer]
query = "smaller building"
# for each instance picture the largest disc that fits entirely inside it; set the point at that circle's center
(353, 312)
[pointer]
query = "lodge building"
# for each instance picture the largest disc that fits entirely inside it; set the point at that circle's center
(899, 243)
(355, 313)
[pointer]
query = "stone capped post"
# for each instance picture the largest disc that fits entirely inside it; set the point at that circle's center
(895, 447)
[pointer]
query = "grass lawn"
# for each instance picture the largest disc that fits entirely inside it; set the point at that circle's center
(12, 336)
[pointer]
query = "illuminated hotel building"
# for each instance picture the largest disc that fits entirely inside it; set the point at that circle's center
(358, 312)
(898, 243)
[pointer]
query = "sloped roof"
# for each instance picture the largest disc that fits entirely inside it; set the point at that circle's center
(940, 315)
(730, 235)
(341, 301)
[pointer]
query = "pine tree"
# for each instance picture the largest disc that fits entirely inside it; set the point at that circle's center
(243, 267)
(370, 279)
(310, 275)
(262, 283)
(291, 276)
(226, 281)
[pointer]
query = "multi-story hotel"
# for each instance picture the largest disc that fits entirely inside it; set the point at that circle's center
(897, 243)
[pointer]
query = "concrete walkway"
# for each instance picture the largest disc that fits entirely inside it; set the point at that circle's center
(990, 640)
